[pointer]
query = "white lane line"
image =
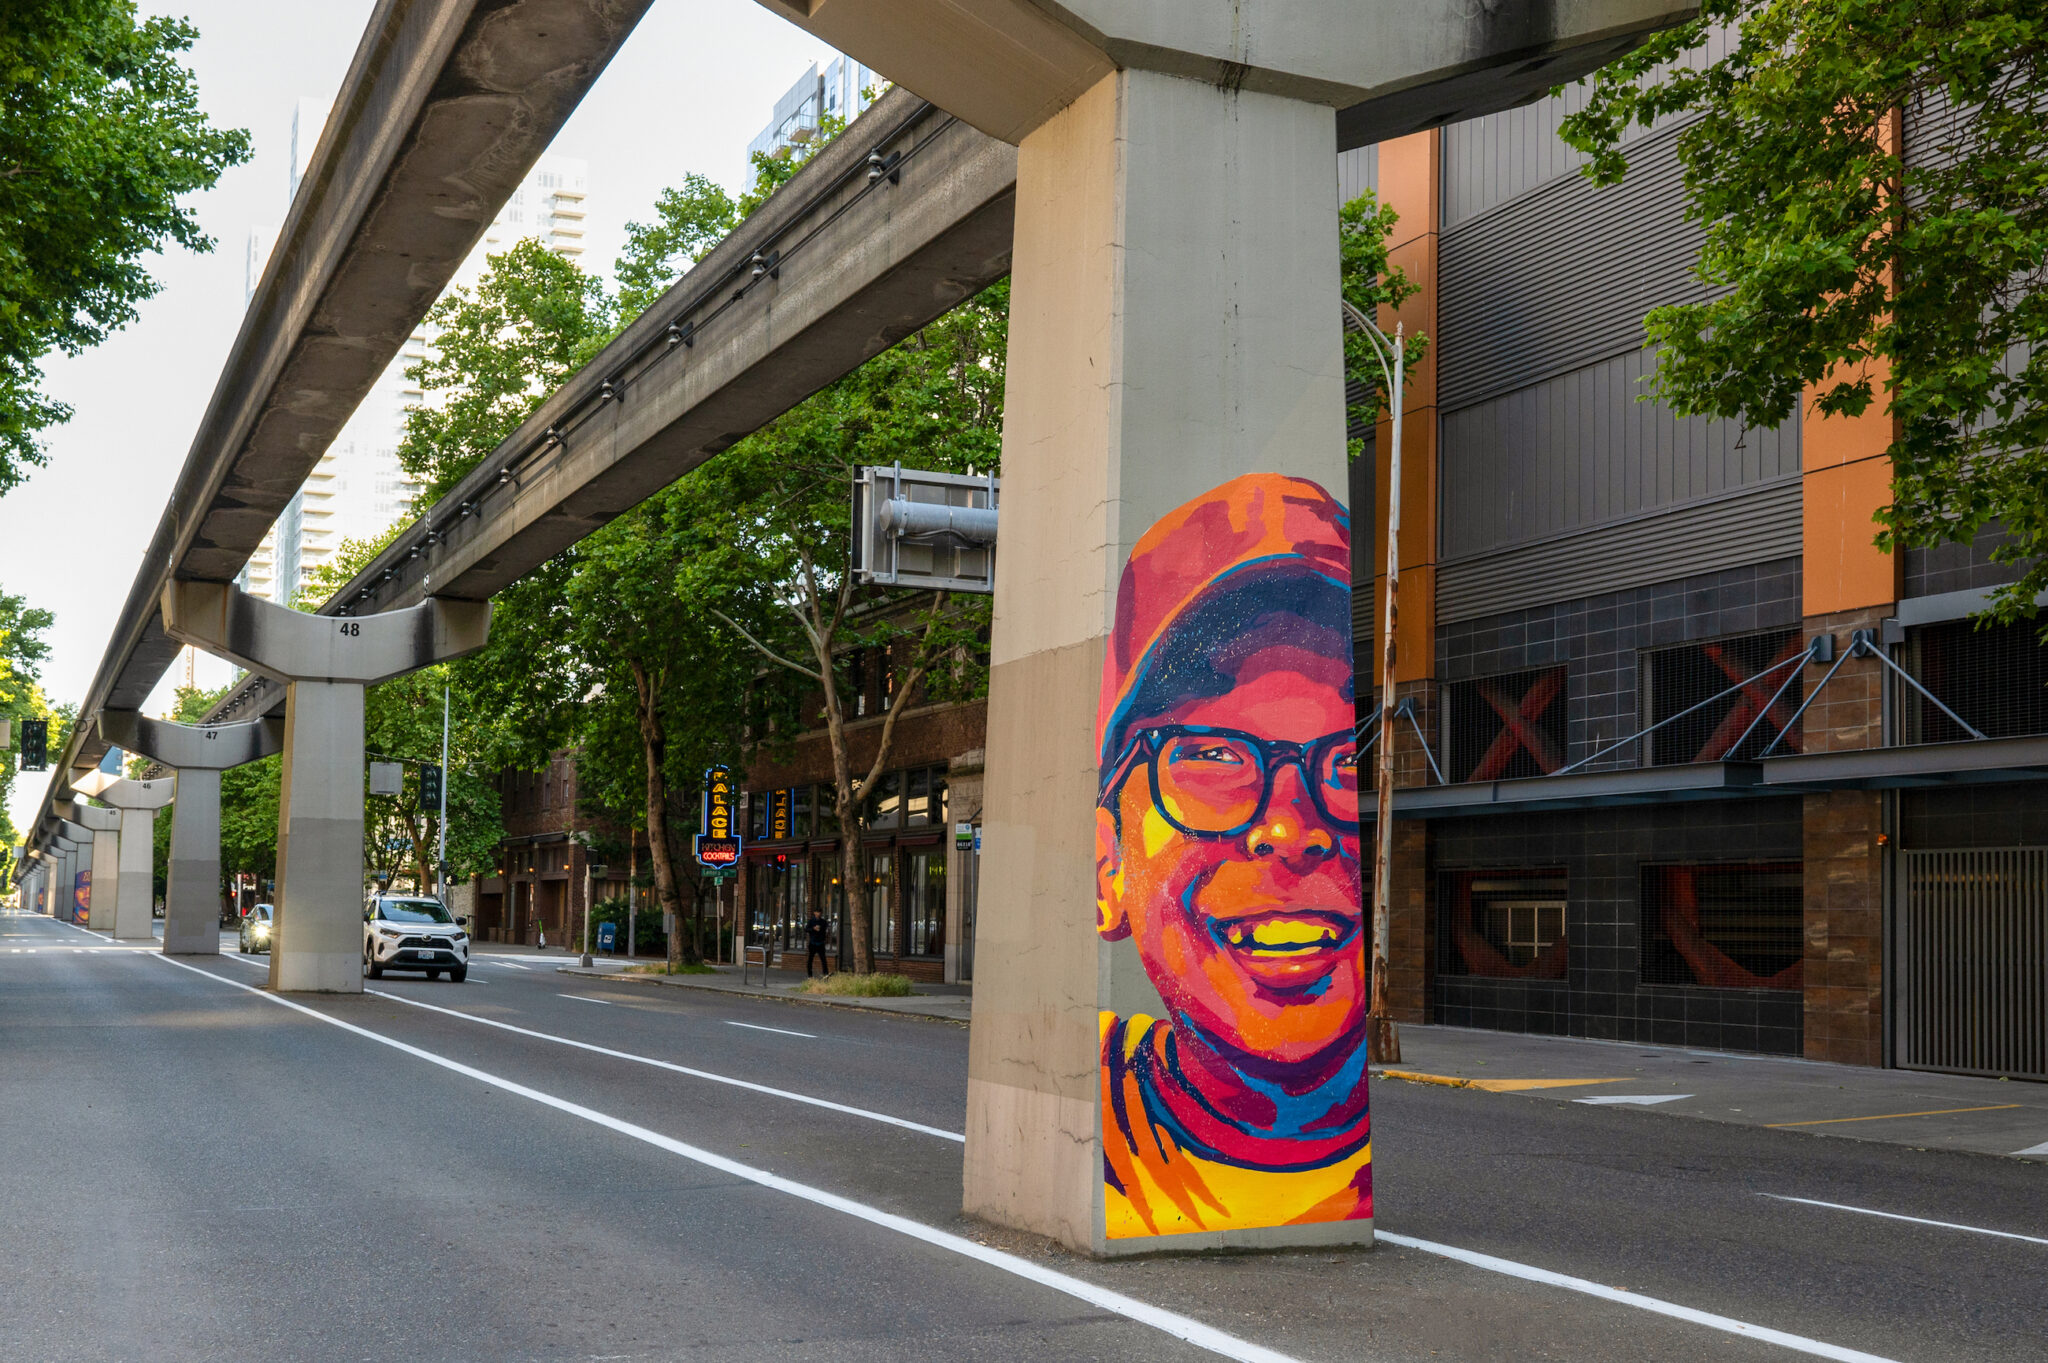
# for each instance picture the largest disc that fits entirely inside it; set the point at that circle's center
(2041, 1149)
(1916, 1220)
(509, 965)
(1529, 1273)
(779, 1031)
(1144, 1313)
(1633, 1099)
(585, 998)
(748, 1085)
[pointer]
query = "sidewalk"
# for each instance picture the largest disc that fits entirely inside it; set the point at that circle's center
(1898, 1107)
(943, 1002)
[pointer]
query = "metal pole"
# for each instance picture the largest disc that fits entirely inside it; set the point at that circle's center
(441, 854)
(632, 874)
(588, 890)
(1383, 1041)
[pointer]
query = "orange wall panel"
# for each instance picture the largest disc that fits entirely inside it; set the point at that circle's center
(1844, 570)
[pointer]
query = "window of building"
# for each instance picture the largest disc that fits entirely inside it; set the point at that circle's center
(924, 893)
(917, 798)
(1724, 926)
(1996, 678)
(885, 805)
(796, 903)
(1726, 699)
(1508, 726)
(800, 812)
(881, 925)
(1502, 924)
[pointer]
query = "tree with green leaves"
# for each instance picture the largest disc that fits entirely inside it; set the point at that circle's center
(780, 568)
(499, 348)
(1854, 266)
(102, 137)
(22, 652)
(1370, 282)
(689, 220)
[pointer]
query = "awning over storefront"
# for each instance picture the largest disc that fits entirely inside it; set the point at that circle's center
(1973, 762)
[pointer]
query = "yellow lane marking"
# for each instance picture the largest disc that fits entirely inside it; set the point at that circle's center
(1488, 1085)
(1887, 1116)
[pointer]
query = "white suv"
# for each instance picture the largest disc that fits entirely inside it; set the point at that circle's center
(414, 932)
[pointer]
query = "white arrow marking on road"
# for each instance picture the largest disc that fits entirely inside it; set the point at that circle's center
(779, 1031)
(581, 998)
(1916, 1220)
(1633, 1099)
(2041, 1149)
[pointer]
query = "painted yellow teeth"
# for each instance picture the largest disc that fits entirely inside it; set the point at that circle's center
(1280, 934)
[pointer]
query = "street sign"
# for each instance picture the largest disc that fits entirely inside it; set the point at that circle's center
(607, 934)
(963, 836)
(387, 778)
(35, 745)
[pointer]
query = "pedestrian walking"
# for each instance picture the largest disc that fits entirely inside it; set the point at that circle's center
(814, 931)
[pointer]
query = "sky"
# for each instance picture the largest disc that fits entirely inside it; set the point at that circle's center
(692, 86)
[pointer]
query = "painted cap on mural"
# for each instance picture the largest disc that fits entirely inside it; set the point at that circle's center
(1258, 553)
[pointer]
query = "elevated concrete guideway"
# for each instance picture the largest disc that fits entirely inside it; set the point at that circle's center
(445, 107)
(908, 213)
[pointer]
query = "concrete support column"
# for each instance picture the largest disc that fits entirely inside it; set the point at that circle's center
(106, 862)
(199, 753)
(81, 837)
(1172, 330)
(320, 841)
(135, 883)
(67, 877)
(325, 663)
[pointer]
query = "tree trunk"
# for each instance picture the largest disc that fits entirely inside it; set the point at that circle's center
(653, 745)
(852, 875)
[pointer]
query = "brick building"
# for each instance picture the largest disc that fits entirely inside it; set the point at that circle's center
(544, 862)
(1685, 760)
(919, 837)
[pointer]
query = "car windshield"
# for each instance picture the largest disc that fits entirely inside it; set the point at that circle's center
(414, 911)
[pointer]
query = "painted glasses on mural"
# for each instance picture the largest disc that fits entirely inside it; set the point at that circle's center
(1227, 851)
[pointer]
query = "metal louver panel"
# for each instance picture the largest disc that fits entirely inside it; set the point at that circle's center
(1972, 966)
(1749, 526)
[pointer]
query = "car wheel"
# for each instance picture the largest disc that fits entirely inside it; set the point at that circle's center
(376, 970)
(458, 974)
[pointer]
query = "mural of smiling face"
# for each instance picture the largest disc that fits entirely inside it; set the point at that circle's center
(1253, 939)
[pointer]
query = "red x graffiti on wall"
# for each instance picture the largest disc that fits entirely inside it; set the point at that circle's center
(1752, 700)
(1518, 726)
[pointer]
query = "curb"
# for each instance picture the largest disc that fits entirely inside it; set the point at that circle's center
(798, 999)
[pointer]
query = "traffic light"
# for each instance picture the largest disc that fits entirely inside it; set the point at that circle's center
(35, 745)
(430, 786)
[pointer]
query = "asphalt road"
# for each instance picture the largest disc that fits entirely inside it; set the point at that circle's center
(190, 1169)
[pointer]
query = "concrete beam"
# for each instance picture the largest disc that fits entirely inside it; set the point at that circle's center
(1007, 66)
(445, 107)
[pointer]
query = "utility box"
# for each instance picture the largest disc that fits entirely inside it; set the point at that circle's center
(931, 530)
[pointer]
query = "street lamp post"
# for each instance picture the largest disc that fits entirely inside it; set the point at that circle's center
(1383, 1040)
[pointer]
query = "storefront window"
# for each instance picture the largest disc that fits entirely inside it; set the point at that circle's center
(917, 804)
(800, 812)
(796, 904)
(924, 892)
(883, 930)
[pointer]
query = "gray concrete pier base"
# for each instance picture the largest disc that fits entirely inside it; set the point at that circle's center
(325, 662)
(106, 862)
(135, 885)
(199, 752)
